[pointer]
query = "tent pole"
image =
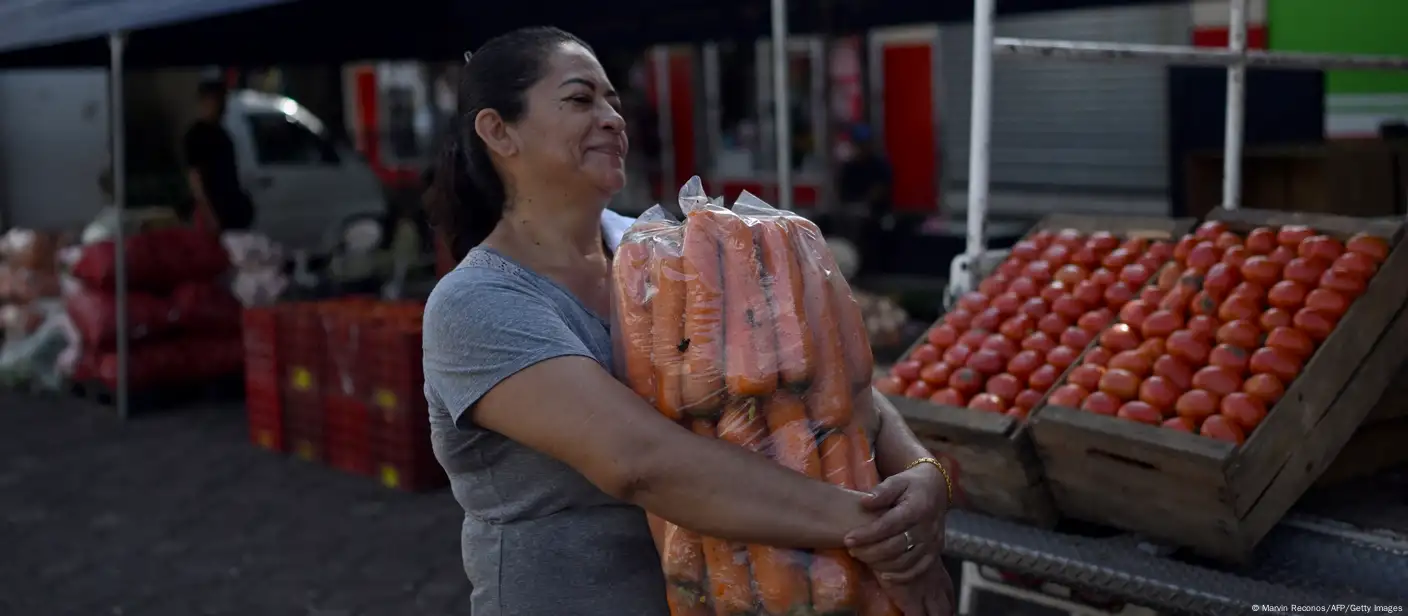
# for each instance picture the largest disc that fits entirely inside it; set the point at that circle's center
(781, 104)
(1236, 107)
(980, 135)
(118, 125)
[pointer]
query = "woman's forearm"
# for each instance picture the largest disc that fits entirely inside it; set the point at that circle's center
(719, 490)
(896, 446)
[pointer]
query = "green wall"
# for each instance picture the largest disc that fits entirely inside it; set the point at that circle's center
(1344, 26)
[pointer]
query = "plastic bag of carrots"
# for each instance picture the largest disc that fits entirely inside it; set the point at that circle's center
(737, 324)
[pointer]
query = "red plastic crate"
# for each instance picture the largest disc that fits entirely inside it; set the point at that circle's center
(347, 434)
(260, 327)
(263, 401)
(400, 423)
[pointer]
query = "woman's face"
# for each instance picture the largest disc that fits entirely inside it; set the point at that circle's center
(573, 134)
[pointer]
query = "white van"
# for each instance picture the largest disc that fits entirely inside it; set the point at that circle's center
(307, 191)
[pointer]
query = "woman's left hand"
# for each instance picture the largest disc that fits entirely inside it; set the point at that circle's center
(908, 539)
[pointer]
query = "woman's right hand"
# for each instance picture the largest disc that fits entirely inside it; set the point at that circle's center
(929, 595)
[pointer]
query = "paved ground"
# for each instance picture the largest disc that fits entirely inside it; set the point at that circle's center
(176, 514)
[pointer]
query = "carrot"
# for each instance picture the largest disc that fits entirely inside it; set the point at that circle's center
(793, 444)
(855, 338)
(829, 400)
(682, 557)
(874, 601)
(667, 323)
(836, 460)
(631, 273)
(863, 470)
(783, 583)
(687, 602)
(796, 351)
(703, 376)
(750, 362)
(730, 583)
(836, 582)
(742, 424)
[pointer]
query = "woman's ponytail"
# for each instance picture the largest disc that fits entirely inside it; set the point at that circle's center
(465, 200)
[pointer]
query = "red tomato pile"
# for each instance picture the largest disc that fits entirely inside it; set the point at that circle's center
(1005, 345)
(1224, 329)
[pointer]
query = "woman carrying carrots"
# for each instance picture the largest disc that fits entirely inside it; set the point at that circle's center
(555, 461)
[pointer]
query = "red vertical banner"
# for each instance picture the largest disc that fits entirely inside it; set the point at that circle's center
(368, 126)
(910, 134)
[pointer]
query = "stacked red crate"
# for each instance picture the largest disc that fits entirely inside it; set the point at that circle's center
(345, 415)
(400, 422)
(263, 399)
(301, 340)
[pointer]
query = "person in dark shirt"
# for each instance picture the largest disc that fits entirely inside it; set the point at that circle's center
(864, 190)
(211, 170)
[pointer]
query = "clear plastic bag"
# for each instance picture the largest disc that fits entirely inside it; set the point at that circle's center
(737, 324)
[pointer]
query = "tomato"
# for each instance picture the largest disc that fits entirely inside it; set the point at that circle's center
(1186, 346)
(1210, 229)
(1177, 299)
(943, 335)
(925, 353)
(948, 397)
(1042, 238)
(986, 361)
(987, 402)
(1069, 308)
(1141, 412)
(1291, 236)
(1135, 312)
(1027, 400)
(1118, 294)
(1102, 241)
(1196, 405)
(1168, 276)
(1281, 256)
(1095, 320)
(1012, 268)
(1217, 380)
(1024, 363)
(1184, 247)
(1314, 322)
(1103, 277)
(1069, 238)
(1238, 308)
(957, 355)
(1068, 395)
(1150, 263)
(959, 319)
(1089, 292)
(936, 374)
(1250, 290)
(1054, 291)
(973, 301)
(1151, 295)
(1121, 384)
(1375, 248)
(1181, 424)
(973, 338)
(1356, 264)
(1202, 325)
(1227, 239)
(1135, 275)
(1087, 257)
(1265, 387)
(1320, 247)
(1233, 358)
(1134, 362)
(1294, 342)
(1117, 259)
(1327, 301)
(1004, 347)
(1160, 393)
(919, 390)
(1075, 337)
(1120, 337)
(1220, 428)
(1005, 386)
(1040, 342)
(1274, 318)
(994, 285)
(1343, 282)
(1236, 256)
(1304, 271)
(1039, 271)
(891, 385)
(1261, 241)
(1006, 303)
(1275, 362)
(1152, 348)
(988, 319)
(1221, 279)
(966, 381)
(1261, 270)
(1062, 357)
(1240, 333)
(1052, 325)
(1203, 257)
(1024, 286)
(1244, 410)
(907, 370)
(1017, 327)
(1160, 250)
(1026, 250)
(1101, 403)
(1287, 295)
(1071, 274)
(1098, 356)
(1203, 305)
(1057, 255)
(1043, 378)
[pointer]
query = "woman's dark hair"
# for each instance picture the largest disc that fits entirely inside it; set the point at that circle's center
(466, 198)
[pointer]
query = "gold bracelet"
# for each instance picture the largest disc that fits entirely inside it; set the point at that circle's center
(948, 481)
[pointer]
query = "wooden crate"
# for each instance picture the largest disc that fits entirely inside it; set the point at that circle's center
(1378, 444)
(1214, 497)
(998, 471)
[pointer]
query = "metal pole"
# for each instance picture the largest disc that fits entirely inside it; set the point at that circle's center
(665, 121)
(118, 125)
(980, 134)
(1183, 55)
(1236, 108)
(781, 104)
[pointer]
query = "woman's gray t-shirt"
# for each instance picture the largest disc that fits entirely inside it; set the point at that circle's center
(538, 539)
